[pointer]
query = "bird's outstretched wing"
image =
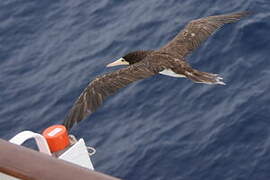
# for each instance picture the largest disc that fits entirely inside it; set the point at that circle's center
(101, 87)
(197, 31)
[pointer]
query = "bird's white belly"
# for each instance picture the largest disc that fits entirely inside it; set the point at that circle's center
(169, 72)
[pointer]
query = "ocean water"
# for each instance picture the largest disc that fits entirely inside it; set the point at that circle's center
(160, 128)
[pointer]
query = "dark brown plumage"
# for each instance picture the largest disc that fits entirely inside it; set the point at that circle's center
(144, 64)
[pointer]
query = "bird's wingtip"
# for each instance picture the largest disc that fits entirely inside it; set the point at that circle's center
(247, 13)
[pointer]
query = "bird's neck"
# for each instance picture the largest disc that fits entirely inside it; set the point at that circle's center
(143, 53)
(137, 56)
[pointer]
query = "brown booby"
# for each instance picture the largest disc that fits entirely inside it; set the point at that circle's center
(168, 60)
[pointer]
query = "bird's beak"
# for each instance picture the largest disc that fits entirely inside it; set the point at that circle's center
(118, 62)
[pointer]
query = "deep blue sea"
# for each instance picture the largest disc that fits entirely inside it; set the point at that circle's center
(160, 128)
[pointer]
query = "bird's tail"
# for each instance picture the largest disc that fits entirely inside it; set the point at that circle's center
(203, 77)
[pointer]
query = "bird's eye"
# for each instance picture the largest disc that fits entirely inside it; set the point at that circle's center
(122, 60)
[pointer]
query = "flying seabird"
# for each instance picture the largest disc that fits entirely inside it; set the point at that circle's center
(168, 60)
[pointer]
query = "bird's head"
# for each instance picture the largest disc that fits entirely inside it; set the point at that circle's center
(130, 58)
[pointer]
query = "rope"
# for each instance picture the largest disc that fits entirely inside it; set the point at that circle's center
(91, 151)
